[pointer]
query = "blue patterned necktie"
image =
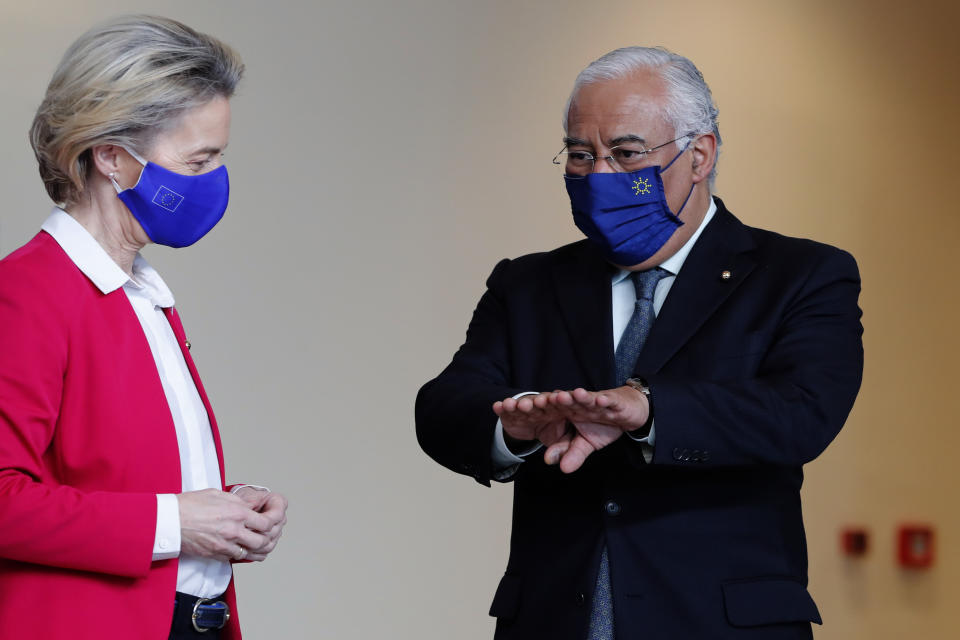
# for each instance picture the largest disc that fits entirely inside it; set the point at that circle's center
(635, 334)
(628, 350)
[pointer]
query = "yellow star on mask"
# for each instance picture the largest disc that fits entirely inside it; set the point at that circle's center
(641, 187)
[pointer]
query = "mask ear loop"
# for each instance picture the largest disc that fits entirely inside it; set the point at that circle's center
(136, 156)
(682, 151)
(689, 193)
(685, 201)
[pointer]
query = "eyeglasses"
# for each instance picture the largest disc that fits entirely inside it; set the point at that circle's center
(624, 158)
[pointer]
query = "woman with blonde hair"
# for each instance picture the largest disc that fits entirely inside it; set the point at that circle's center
(115, 519)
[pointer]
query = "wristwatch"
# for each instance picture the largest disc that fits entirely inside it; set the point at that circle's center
(641, 385)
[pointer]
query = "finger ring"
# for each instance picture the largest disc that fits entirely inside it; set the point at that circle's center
(241, 555)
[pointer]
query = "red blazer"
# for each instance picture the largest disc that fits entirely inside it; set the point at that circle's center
(86, 443)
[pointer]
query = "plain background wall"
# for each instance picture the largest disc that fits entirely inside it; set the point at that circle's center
(385, 154)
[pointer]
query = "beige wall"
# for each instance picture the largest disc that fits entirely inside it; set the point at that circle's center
(386, 154)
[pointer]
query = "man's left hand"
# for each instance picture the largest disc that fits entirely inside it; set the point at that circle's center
(598, 417)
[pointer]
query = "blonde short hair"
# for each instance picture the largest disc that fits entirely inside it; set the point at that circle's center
(123, 82)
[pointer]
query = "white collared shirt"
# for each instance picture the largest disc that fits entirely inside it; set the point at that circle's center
(199, 467)
(623, 300)
(624, 293)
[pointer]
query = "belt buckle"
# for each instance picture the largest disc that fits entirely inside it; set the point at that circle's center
(203, 602)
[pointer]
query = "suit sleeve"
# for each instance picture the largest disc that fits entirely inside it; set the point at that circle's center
(795, 402)
(454, 411)
(41, 520)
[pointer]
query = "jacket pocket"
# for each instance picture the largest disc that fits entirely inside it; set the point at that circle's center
(762, 601)
(506, 602)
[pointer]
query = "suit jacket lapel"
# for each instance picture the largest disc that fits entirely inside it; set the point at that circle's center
(582, 285)
(700, 287)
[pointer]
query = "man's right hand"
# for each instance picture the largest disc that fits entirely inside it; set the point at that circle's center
(532, 419)
(572, 424)
(216, 524)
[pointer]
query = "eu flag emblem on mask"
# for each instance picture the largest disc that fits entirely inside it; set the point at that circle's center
(167, 199)
(641, 187)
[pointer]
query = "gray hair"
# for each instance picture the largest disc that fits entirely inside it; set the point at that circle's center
(689, 108)
(123, 82)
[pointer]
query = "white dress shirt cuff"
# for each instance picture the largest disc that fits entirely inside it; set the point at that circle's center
(647, 442)
(166, 544)
(505, 462)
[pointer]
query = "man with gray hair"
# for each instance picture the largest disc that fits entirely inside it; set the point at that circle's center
(653, 390)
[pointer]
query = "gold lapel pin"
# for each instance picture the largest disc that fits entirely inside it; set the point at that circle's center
(186, 343)
(725, 274)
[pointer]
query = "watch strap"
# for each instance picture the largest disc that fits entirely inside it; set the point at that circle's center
(641, 385)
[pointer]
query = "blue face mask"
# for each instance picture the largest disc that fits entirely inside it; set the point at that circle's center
(174, 209)
(625, 214)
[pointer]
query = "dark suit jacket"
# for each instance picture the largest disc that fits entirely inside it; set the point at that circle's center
(751, 376)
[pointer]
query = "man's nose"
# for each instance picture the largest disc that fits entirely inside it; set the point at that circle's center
(604, 164)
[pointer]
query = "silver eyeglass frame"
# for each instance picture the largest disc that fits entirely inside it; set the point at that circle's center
(609, 158)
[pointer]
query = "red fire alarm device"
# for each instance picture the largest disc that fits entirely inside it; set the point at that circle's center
(915, 546)
(854, 541)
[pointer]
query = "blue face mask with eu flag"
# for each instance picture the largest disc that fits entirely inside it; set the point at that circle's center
(625, 214)
(176, 210)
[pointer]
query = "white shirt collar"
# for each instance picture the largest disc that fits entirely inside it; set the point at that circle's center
(675, 262)
(95, 263)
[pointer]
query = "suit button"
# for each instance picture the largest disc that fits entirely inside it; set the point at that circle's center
(612, 508)
(580, 599)
(705, 455)
(677, 452)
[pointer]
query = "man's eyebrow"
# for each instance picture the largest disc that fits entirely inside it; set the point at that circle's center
(630, 137)
(575, 142)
